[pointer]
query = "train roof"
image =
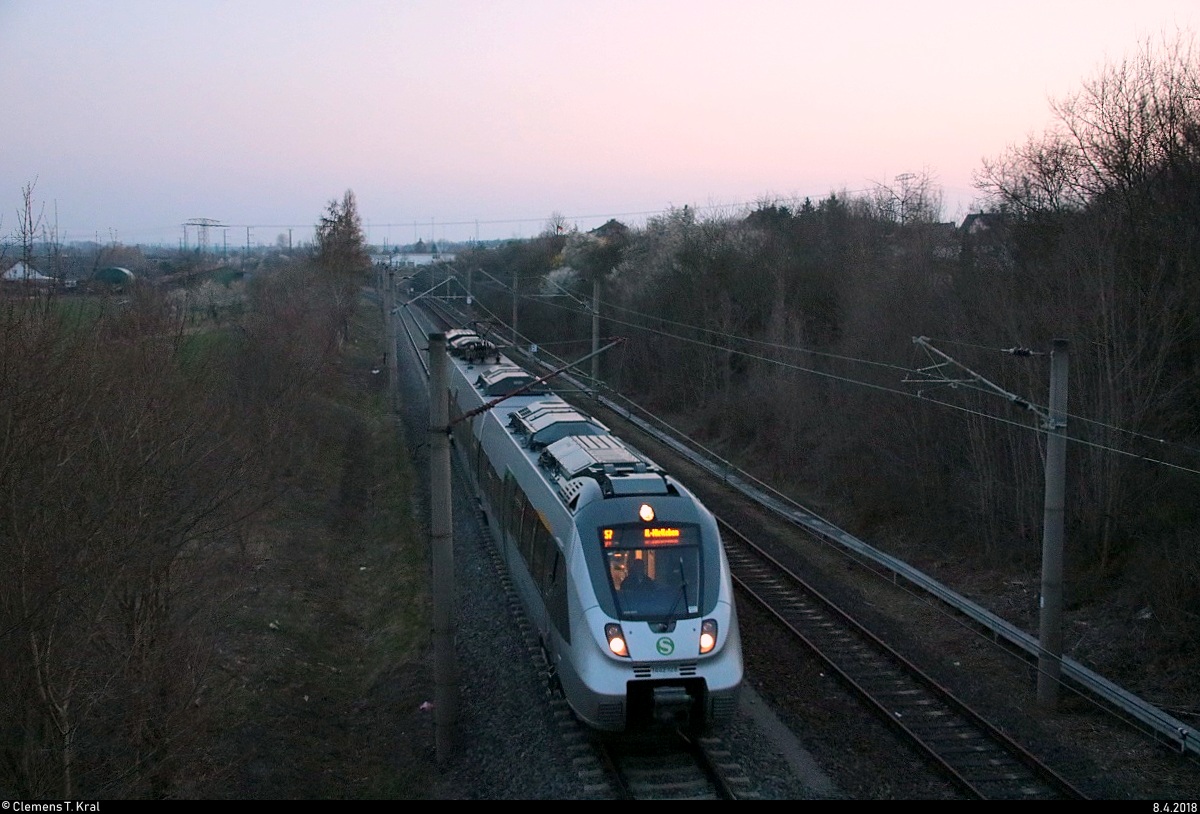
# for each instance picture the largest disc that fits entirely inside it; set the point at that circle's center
(579, 456)
(618, 468)
(463, 340)
(499, 380)
(544, 422)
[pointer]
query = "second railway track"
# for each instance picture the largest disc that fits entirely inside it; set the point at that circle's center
(980, 758)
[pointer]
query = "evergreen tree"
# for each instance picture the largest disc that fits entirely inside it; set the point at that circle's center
(342, 256)
(341, 245)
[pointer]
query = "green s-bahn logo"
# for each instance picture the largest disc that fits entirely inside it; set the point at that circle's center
(665, 646)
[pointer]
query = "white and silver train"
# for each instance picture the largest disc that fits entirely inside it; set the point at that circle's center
(618, 565)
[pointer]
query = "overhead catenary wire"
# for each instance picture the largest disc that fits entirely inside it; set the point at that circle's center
(1016, 351)
(974, 383)
(475, 223)
(1075, 439)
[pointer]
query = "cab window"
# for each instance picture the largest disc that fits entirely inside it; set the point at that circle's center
(654, 572)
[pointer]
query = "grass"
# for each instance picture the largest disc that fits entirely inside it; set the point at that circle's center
(327, 647)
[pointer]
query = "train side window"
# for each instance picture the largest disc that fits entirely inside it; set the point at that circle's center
(489, 482)
(552, 568)
(497, 490)
(556, 595)
(543, 551)
(537, 554)
(514, 504)
(529, 528)
(481, 462)
(515, 517)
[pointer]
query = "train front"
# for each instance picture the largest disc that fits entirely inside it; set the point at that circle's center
(662, 635)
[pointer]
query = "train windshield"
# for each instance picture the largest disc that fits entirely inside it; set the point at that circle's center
(654, 571)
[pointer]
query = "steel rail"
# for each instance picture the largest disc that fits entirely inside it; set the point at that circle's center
(980, 758)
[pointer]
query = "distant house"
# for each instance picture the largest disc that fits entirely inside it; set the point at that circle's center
(614, 229)
(22, 272)
(984, 238)
(979, 222)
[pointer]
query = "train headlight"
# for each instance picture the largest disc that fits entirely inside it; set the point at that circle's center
(616, 640)
(708, 636)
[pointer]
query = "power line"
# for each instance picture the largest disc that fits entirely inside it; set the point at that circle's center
(474, 223)
(869, 385)
(749, 340)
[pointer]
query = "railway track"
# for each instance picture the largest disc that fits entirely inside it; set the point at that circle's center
(979, 758)
(672, 766)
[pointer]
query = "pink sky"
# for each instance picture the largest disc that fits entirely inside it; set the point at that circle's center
(135, 116)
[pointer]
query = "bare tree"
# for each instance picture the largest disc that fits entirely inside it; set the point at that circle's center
(556, 224)
(1038, 177)
(127, 473)
(1127, 125)
(1136, 118)
(1107, 255)
(29, 224)
(911, 198)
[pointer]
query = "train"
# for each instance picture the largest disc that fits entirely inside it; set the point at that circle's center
(618, 565)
